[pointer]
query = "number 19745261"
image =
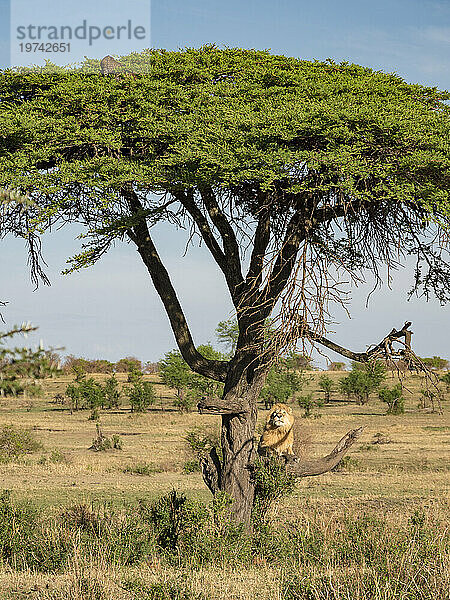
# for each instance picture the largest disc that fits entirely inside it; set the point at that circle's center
(44, 47)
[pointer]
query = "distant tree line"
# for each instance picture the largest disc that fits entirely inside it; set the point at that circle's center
(124, 365)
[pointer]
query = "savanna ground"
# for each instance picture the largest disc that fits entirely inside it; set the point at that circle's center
(377, 528)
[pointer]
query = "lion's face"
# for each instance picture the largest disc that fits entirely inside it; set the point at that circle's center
(278, 435)
(281, 416)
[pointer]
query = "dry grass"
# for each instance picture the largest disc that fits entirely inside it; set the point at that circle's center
(393, 478)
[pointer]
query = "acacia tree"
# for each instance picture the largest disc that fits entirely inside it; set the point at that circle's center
(311, 168)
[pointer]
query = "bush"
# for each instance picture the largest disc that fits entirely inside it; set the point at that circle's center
(111, 393)
(308, 403)
(127, 364)
(336, 366)
(326, 385)
(83, 392)
(15, 442)
(271, 483)
(173, 516)
(142, 468)
(141, 393)
(446, 380)
(393, 398)
(281, 384)
(363, 380)
(198, 444)
(102, 443)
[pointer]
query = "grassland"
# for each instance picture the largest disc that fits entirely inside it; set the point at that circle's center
(389, 481)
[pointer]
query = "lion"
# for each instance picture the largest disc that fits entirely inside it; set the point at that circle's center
(278, 435)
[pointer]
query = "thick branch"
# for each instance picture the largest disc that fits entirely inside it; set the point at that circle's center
(262, 239)
(227, 267)
(317, 466)
(284, 263)
(230, 245)
(383, 349)
(217, 406)
(140, 235)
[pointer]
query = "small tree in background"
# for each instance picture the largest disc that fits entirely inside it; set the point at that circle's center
(190, 387)
(140, 393)
(336, 366)
(281, 384)
(363, 380)
(436, 363)
(308, 403)
(393, 398)
(446, 380)
(21, 367)
(129, 363)
(111, 393)
(85, 392)
(326, 385)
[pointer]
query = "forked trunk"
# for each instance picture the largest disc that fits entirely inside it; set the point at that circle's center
(237, 439)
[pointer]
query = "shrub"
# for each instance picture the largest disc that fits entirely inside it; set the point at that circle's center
(326, 385)
(142, 468)
(102, 443)
(336, 366)
(271, 483)
(446, 379)
(198, 444)
(141, 393)
(173, 516)
(129, 363)
(363, 380)
(111, 393)
(15, 442)
(308, 403)
(281, 384)
(393, 398)
(436, 362)
(189, 386)
(84, 392)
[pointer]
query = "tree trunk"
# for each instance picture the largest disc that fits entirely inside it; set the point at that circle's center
(237, 439)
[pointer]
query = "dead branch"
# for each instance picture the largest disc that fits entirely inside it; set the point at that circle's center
(307, 468)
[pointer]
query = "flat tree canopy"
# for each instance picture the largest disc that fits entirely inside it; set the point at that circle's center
(295, 170)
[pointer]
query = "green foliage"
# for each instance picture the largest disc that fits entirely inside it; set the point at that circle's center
(334, 131)
(20, 367)
(127, 364)
(446, 379)
(436, 362)
(281, 384)
(309, 403)
(393, 398)
(141, 468)
(189, 386)
(111, 393)
(326, 384)
(271, 483)
(198, 444)
(16, 441)
(227, 333)
(364, 379)
(172, 516)
(85, 392)
(141, 394)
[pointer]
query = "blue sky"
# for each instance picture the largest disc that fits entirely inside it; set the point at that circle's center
(112, 310)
